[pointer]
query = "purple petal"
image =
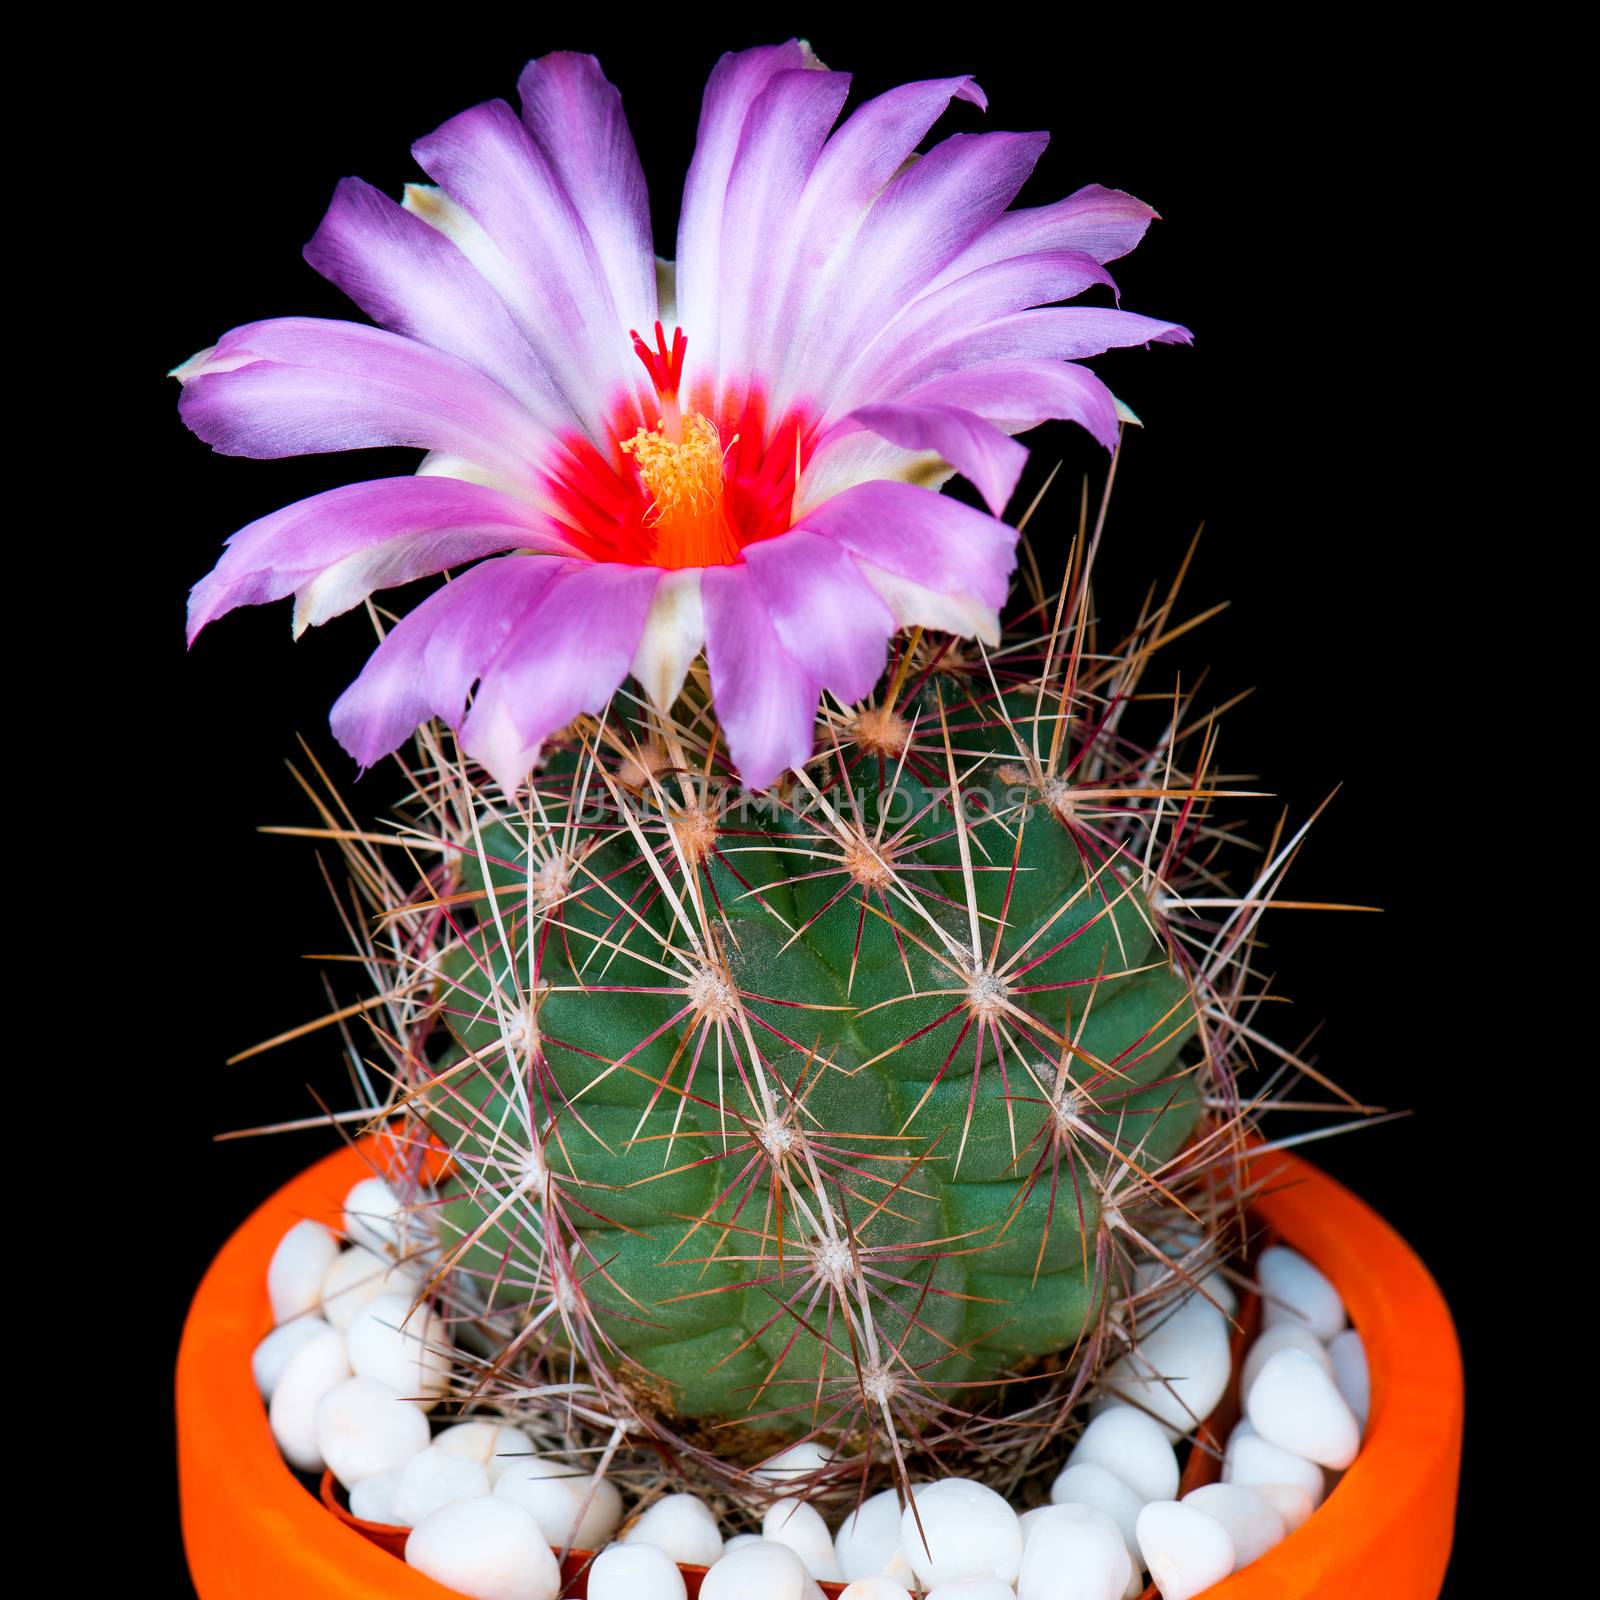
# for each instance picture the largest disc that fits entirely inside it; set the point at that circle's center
(410, 278)
(431, 658)
(730, 91)
(927, 537)
(1058, 333)
(487, 162)
(576, 119)
(785, 130)
(826, 615)
(871, 145)
(766, 701)
(365, 536)
(970, 302)
(921, 220)
(1102, 224)
(567, 654)
(1018, 395)
(989, 460)
(300, 385)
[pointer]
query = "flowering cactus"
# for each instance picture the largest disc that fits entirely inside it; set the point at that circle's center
(851, 325)
(821, 1110)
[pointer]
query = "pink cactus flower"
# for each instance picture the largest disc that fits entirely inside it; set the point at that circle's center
(631, 461)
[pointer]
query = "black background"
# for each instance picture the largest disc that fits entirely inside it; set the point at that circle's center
(1292, 239)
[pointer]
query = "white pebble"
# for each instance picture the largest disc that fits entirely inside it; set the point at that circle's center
(1075, 1552)
(1289, 1500)
(1252, 1461)
(556, 1492)
(435, 1479)
(868, 1541)
(1253, 1523)
(1294, 1404)
(1029, 1521)
(276, 1351)
(967, 1531)
(1180, 1367)
(295, 1273)
(1184, 1549)
(372, 1500)
(364, 1427)
(373, 1215)
(878, 1589)
(1087, 1483)
(1350, 1375)
(801, 1528)
(309, 1374)
(798, 1461)
(635, 1572)
(971, 1589)
(495, 1446)
(1292, 1290)
(402, 1347)
(486, 1549)
(1280, 1336)
(1202, 1273)
(1221, 1292)
(760, 1571)
(1133, 1447)
(357, 1277)
(683, 1526)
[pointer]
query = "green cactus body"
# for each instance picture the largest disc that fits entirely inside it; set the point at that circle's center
(736, 1107)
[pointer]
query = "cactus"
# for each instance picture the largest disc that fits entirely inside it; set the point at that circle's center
(832, 1112)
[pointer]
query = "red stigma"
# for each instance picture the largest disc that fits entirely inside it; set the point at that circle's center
(664, 366)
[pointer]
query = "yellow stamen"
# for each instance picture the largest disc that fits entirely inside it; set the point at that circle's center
(683, 478)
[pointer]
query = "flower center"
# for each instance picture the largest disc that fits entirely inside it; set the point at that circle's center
(680, 463)
(681, 469)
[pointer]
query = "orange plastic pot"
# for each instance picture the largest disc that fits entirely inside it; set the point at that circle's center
(253, 1531)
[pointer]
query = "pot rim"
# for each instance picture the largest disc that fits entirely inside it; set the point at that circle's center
(252, 1529)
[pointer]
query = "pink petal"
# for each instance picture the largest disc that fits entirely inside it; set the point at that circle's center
(412, 279)
(487, 162)
(364, 536)
(766, 701)
(1062, 333)
(299, 385)
(576, 119)
(1018, 395)
(871, 145)
(1101, 223)
(783, 134)
(970, 302)
(431, 658)
(730, 91)
(921, 220)
(567, 654)
(987, 458)
(825, 614)
(929, 538)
